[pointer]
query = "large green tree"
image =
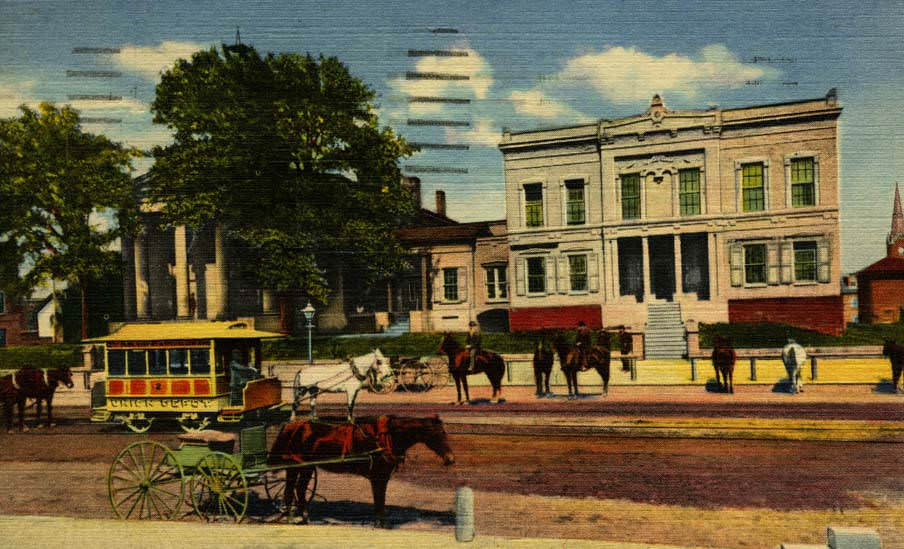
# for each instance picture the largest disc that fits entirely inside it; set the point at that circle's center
(61, 189)
(285, 151)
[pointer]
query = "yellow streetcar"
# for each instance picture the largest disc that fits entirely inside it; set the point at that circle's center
(190, 372)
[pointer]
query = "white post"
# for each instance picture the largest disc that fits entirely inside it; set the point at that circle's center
(181, 272)
(464, 514)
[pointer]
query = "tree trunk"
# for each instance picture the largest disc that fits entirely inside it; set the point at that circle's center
(84, 312)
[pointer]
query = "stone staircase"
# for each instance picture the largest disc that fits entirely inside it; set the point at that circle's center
(399, 327)
(665, 335)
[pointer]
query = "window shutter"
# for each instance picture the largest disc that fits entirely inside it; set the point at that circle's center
(772, 265)
(462, 284)
(550, 263)
(520, 269)
(563, 274)
(593, 273)
(438, 286)
(737, 265)
(822, 260)
(787, 257)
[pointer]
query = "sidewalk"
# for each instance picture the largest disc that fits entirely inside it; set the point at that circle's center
(24, 532)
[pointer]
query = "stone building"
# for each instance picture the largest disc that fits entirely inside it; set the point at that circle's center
(667, 216)
(881, 285)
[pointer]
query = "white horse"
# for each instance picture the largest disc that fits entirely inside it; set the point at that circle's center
(794, 356)
(349, 377)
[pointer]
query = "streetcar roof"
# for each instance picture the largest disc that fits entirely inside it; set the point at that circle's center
(162, 331)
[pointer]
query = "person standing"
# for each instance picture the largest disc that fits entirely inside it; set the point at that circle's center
(473, 346)
(626, 348)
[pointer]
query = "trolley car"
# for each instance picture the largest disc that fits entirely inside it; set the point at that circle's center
(183, 371)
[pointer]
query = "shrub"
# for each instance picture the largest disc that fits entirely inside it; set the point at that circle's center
(40, 356)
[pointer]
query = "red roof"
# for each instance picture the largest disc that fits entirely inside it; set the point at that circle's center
(463, 232)
(886, 265)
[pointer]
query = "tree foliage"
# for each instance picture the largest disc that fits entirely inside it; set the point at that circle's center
(286, 152)
(61, 189)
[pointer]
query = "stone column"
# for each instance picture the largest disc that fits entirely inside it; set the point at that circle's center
(713, 265)
(679, 285)
(220, 304)
(142, 293)
(181, 272)
(645, 252)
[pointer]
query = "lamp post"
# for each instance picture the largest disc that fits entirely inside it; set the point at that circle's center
(309, 317)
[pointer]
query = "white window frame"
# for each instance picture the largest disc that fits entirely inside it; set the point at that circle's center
(546, 286)
(815, 279)
(798, 155)
(765, 281)
(457, 284)
(522, 202)
(739, 194)
(618, 196)
(676, 196)
(495, 268)
(586, 256)
(563, 191)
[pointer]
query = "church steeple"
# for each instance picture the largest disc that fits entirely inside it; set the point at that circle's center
(896, 235)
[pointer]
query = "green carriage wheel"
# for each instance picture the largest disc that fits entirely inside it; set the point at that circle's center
(275, 487)
(219, 489)
(145, 481)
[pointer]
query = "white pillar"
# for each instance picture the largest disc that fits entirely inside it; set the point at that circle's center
(217, 282)
(713, 261)
(181, 272)
(645, 252)
(679, 287)
(142, 293)
(616, 281)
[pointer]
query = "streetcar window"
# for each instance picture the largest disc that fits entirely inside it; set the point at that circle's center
(137, 365)
(116, 362)
(200, 361)
(178, 362)
(157, 362)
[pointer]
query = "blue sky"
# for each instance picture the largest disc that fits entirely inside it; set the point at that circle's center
(529, 64)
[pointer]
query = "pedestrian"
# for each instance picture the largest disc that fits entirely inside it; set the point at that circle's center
(627, 347)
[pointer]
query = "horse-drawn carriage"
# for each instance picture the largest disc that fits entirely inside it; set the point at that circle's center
(148, 480)
(411, 373)
(191, 372)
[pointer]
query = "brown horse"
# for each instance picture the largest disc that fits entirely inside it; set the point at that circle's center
(895, 354)
(382, 442)
(489, 363)
(543, 359)
(598, 358)
(723, 358)
(31, 383)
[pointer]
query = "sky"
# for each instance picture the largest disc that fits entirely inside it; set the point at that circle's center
(529, 64)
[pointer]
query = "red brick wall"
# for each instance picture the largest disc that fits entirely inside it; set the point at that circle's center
(13, 321)
(823, 314)
(881, 300)
(540, 318)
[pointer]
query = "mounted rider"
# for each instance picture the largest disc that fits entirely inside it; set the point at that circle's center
(472, 344)
(582, 343)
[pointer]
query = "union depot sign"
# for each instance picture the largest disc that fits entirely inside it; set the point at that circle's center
(164, 404)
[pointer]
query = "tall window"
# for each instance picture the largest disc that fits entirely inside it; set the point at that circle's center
(450, 284)
(630, 196)
(178, 362)
(577, 272)
(755, 263)
(157, 362)
(137, 365)
(805, 261)
(753, 193)
(803, 186)
(574, 202)
(200, 361)
(533, 204)
(536, 275)
(689, 191)
(497, 285)
(116, 362)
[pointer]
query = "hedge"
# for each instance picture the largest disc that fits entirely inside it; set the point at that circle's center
(40, 356)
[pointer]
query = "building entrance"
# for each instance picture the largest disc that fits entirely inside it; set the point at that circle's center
(662, 266)
(695, 265)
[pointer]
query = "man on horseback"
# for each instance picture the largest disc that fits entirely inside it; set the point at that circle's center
(473, 346)
(582, 343)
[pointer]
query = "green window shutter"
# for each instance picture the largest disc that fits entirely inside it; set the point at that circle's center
(562, 278)
(593, 273)
(462, 284)
(772, 263)
(520, 273)
(787, 262)
(737, 265)
(824, 266)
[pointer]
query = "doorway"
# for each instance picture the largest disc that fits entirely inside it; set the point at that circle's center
(662, 267)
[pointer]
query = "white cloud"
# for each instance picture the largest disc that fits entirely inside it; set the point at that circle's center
(127, 105)
(150, 61)
(625, 75)
(536, 103)
(13, 95)
(484, 133)
(474, 66)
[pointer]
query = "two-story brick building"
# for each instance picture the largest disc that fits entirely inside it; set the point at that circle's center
(730, 214)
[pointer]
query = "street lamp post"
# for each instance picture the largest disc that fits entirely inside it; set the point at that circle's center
(309, 317)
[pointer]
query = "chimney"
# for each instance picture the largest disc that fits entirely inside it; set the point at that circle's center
(441, 202)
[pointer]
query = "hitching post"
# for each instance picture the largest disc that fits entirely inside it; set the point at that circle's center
(693, 369)
(752, 369)
(814, 369)
(464, 514)
(309, 316)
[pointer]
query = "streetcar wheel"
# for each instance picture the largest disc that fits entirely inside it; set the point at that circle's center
(194, 424)
(145, 481)
(219, 488)
(138, 424)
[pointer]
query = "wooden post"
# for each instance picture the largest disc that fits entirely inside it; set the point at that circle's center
(752, 369)
(814, 369)
(633, 364)
(693, 369)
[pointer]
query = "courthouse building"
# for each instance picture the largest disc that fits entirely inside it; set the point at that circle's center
(651, 220)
